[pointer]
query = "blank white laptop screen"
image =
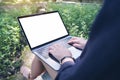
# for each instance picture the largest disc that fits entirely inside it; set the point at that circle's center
(41, 29)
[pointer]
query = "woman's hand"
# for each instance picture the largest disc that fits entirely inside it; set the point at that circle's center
(77, 42)
(59, 51)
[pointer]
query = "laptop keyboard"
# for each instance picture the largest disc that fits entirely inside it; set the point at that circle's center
(44, 51)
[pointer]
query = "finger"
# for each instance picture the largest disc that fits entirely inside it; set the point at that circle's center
(51, 51)
(73, 38)
(74, 41)
(71, 41)
(53, 47)
(50, 48)
(77, 45)
(56, 45)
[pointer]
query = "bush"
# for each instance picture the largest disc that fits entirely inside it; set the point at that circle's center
(11, 42)
(77, 17)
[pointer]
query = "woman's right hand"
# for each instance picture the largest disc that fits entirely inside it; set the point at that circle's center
(77, 42)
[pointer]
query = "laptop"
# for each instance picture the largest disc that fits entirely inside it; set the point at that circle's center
(43, 30)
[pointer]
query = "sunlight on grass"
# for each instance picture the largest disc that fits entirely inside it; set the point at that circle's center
(22, 1)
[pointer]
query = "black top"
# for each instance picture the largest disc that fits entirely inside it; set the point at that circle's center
(100, 59)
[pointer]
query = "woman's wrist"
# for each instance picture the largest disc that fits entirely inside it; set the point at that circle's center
(67, 59)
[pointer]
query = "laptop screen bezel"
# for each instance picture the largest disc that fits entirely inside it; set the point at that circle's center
(36, 15)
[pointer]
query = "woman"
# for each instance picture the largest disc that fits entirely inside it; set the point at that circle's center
(100, 59)
(39, 67)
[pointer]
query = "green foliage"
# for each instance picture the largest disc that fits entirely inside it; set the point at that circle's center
(77, 17)
(11, 42)
(7, 2)
(37, 1)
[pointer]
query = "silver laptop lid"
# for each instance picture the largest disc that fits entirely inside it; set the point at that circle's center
(41, 29)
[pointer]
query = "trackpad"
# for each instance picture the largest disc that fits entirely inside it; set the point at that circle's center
(75, 52)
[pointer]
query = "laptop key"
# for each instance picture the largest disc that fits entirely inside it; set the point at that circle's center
(43, 52)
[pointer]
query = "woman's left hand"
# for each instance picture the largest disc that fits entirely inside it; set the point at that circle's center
(59, 51)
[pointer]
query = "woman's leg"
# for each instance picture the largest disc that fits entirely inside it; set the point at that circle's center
(36, 68)
(50, 71)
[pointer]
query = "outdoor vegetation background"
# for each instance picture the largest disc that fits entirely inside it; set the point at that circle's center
(77, 17)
